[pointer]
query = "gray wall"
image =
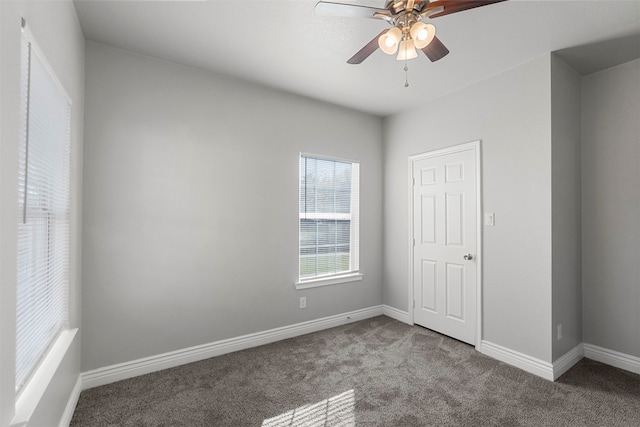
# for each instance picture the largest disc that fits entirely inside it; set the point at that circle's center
(191, 201)
(611, 208)
(511, 114)
(566, 207)
(56, 29)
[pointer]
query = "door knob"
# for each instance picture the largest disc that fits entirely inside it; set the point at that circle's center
(468, 257)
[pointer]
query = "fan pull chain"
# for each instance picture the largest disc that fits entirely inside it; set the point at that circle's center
(406, 74)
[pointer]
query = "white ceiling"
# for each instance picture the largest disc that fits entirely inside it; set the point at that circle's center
(283, 44)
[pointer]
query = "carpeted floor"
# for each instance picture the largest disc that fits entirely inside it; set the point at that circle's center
(377, 372)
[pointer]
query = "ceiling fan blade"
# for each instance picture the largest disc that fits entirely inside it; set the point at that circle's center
(453, 6)
(435, 50)
(348, 10)
(367, 50)
(428, 12)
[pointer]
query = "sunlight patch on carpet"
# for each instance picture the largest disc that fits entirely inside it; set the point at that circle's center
(338, 410)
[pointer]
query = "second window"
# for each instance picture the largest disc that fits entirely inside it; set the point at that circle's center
(329, 217)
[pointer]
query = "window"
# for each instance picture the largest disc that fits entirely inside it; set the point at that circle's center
(328, 226)
(43, 212)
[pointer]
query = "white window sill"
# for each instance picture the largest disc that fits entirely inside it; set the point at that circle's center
(327, 281)
(35, 388)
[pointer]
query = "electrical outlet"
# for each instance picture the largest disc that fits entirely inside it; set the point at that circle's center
(559, 332)
(303, 302)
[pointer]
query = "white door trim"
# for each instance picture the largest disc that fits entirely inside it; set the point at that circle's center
(475, 146)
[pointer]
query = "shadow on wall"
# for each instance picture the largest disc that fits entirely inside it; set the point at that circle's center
(591, 58)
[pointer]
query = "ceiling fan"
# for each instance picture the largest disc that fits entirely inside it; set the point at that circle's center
(408, 30)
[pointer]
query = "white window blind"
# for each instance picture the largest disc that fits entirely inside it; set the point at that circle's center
(43, 212)
(329, 217)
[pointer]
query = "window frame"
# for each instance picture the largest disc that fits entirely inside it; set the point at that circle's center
(354, 273)
(30, 391)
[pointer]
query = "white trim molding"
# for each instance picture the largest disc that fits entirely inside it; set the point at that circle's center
(34, 390)
(553, 371)
(394, 313)
(134, 368)
(519, 360)
(71, 404)
(613, 358)
(566, 362)
(327, 281)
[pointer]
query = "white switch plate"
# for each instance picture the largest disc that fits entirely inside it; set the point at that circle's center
(489, 219)
(303, 302)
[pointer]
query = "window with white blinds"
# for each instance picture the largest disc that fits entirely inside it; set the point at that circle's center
(329, 216)
(43, 212)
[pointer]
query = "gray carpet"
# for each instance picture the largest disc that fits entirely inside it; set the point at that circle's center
(377, 372)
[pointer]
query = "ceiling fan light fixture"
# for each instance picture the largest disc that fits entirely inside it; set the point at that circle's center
(388, 42)
(422, 34)
(407, 50)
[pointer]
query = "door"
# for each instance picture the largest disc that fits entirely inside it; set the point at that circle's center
(445, 241)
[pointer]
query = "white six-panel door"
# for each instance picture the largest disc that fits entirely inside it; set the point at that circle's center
(444, 203)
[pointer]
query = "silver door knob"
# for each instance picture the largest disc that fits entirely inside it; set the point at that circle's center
(468, 257)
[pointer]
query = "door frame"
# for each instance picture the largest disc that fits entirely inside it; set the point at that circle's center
(476, 147)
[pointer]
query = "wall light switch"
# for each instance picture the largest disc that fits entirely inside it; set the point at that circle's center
(303, 302)
(489, 219)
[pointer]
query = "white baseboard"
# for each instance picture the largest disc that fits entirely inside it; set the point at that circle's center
(395, 313)
(564, 363)
(519, 360)
(71, 404)
(613, 358)
(121, 371)
(134, 368)
(553, 371)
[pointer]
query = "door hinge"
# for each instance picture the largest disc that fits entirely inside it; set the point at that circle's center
(414, 182)
(414, 303)
(414, 241)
